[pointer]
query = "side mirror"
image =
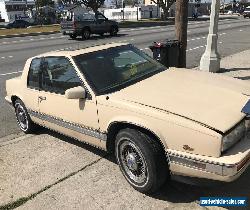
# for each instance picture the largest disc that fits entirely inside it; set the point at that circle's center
(75, 93)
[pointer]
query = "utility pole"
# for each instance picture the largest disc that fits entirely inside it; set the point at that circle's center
(223, 7)
(123, 6)
(210, 60)
(181, 22)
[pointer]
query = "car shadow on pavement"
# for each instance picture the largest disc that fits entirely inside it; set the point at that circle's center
(223, 70)
(173, 191)
(243, 78)
(177, 192)
(98, 37)
(75, 142)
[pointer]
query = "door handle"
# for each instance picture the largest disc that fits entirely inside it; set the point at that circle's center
(41, 98)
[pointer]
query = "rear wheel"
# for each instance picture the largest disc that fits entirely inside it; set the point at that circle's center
(23, 118)
(141, 160)
(113, 31)
(86, 33)
(72, 36)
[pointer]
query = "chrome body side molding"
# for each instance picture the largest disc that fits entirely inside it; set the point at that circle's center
(75, 127)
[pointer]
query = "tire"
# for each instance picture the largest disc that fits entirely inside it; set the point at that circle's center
(86, 33)
(141, 160)
(113, 31)
(23, 119)
(72, 36)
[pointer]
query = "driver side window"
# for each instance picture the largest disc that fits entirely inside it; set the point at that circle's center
(100, 17)
(58, 75)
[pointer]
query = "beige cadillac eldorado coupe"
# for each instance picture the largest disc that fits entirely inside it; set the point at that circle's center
(157, 121)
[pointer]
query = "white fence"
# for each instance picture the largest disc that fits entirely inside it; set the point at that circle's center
(129, 13)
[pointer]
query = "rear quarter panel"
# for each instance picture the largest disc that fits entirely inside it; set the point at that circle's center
(18, 86)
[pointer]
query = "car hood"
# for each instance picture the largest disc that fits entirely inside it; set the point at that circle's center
(210, 99)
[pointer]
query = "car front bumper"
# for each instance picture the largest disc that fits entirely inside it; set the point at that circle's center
(226, 168)
(8, 100)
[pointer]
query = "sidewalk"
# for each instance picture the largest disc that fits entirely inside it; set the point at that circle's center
(237, 65)
(51, 171)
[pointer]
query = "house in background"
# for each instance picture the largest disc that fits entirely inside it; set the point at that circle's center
(129, 13)
(67, 11)
(150, 11)
(11, 10)
(200, 6)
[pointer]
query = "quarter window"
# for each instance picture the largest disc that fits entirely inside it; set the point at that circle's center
(58, 75)
(33, 78)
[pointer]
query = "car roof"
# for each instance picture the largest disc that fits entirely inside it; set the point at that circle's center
(71, 53)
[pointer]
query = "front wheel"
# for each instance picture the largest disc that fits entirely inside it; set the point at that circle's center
(141, 160)
(23, 118)
(113, 31)
(86, 33)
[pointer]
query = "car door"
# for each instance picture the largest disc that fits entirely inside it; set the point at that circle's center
(14, 24)
(74, 117)
(31, 93)
(101, 23)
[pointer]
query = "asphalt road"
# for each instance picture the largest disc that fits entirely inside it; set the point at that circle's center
(233, 38)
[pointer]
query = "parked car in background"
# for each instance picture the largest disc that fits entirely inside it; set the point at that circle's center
(86, 24)
(157, 121)
(246, 12)
(18, 24)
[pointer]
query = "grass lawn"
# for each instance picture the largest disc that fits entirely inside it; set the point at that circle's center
(36, 29)
(56, 28)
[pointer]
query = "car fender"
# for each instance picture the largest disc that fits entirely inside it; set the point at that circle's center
(138, 122)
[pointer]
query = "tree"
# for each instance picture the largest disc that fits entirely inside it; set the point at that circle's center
(116, 3)
(181, 22)
(93, 4)
(42, 3)
(165, 5)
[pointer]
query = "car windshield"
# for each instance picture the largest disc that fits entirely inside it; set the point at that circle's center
(116, 68)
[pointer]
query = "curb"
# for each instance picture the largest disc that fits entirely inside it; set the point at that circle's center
(146, 24)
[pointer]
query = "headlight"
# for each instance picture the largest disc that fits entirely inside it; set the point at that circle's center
(234, 136)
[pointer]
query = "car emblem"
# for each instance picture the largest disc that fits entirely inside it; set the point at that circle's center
(188, 148)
